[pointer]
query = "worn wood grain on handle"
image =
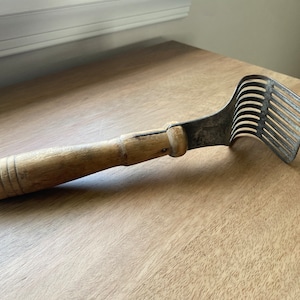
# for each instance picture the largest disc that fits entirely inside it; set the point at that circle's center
(37, 170)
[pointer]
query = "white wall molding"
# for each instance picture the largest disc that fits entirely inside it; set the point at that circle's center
(38, 25)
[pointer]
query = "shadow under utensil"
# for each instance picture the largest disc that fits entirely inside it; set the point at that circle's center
(201, 169)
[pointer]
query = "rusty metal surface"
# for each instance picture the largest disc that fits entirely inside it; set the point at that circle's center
(260, 106)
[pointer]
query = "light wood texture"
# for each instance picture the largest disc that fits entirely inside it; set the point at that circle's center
(216, 223)
(41, 169)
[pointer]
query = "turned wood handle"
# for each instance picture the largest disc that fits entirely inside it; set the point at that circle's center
(37, 170)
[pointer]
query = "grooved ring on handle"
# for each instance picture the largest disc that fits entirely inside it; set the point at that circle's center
(9, 182)
(178, 140)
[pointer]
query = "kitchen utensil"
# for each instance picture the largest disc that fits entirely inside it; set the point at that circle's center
(260, 106)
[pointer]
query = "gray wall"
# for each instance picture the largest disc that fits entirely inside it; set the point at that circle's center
(262, 32)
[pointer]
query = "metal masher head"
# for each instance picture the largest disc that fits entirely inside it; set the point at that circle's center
(260, 106)
(270, 111)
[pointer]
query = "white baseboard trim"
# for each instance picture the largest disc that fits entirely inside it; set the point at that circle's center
(40, 27)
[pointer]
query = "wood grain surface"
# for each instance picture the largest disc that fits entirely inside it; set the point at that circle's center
(216, 223)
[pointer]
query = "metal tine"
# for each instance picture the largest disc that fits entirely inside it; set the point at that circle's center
(246, 93)
(255, 101)
(245, 108)
(286, 96)
(269, 111)
(248, 97)
(255, 89)
(293, 128)
(242, 133)
(286, 99)
(276, 148)
(251, 89)
(271, 124)
(244, 122)
(287, 91)
(245, 117)
(285, 114)
(275, 137)
(254, 81)
(248, 82)
(247, 113)
(248, 110)
(250, 105)
(273, 118)
(284, 140)
(278, 144)
(241, 129)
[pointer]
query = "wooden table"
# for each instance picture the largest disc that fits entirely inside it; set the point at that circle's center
(216, 223)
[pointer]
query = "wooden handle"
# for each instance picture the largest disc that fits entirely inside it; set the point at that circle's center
(37, 170)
